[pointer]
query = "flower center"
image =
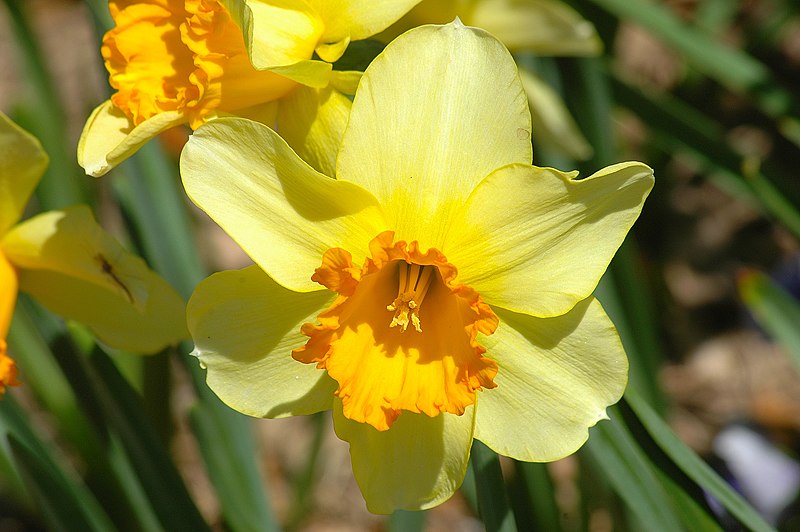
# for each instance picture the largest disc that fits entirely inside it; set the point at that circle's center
(411, 290)
(381, 371)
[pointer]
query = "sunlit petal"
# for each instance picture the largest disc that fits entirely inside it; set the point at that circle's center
(69, 241)
(545, 27)
(557, 377)
(22, 163)
(280, 210)
(110, 315)
(277, 32)
(79, 271)
(109, 137)
(346, 20)
(419, 463)
(544, 247)
(312, 122)
(245, 326)
(425, 129)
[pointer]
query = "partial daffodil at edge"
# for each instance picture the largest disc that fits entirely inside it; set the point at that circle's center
(438, 290)
(176, 62)
(70, 265)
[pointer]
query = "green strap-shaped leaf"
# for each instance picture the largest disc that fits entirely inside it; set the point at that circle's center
(493, 505)
(694, 467)
(228, 476)
(774, 309)
(63, 500)
(614, 451)
(163, 485)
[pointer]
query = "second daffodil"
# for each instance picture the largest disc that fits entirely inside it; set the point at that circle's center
(175, 62)
(438, 290)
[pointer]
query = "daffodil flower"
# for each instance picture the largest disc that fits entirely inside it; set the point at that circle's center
(541, 27)
(186, 61)
(438, 290)
(69, 264)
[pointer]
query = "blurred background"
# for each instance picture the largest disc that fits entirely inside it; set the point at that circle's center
(704, 294)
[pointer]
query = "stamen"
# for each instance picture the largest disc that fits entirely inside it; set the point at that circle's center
(415, 280)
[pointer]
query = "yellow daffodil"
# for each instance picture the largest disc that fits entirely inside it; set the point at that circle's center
(438, 290)
(186, 61)
(541, 27)
(68, 263)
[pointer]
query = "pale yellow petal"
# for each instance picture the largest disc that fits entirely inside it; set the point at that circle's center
(244, 327)
(332, 51)
(73, 267)
(358, 19)
(22, 163)
(109, 315)
(69, 241)
(553, 126)
(536, 240)
(436, 112)
(8, 294)
(417, 464)
(276, 32)
(282, 212)
(312, 122)
(556, 378)
(109, 137)
(311, 73)
(545, 27)
(346, 81)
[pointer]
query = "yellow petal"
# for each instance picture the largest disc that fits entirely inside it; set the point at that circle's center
(109, 137)
(276, 32)
(544, 247)
(311, 73)
(77, 270)
(109, 315)
(330, 52)
(346, 81)
(22, 163)
(358, 19)
(545, 27)
(69, 241)
(282, 212)
(553, 126)
(417, 464)
(245, 326)
(312, 122)
(8, 294)
(425, 129)
(557, 377)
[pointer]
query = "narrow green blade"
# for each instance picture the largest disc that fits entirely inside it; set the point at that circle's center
(694, 467)
(774, 309)
(64, 502)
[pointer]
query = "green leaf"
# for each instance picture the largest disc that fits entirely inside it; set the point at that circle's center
(63, 500)
(493, 505)
(730, 66)
(694, 467)
(161, 482)
(403, 521)
(540, 511)
(614, 451)
(775, 310)
(232, 481)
